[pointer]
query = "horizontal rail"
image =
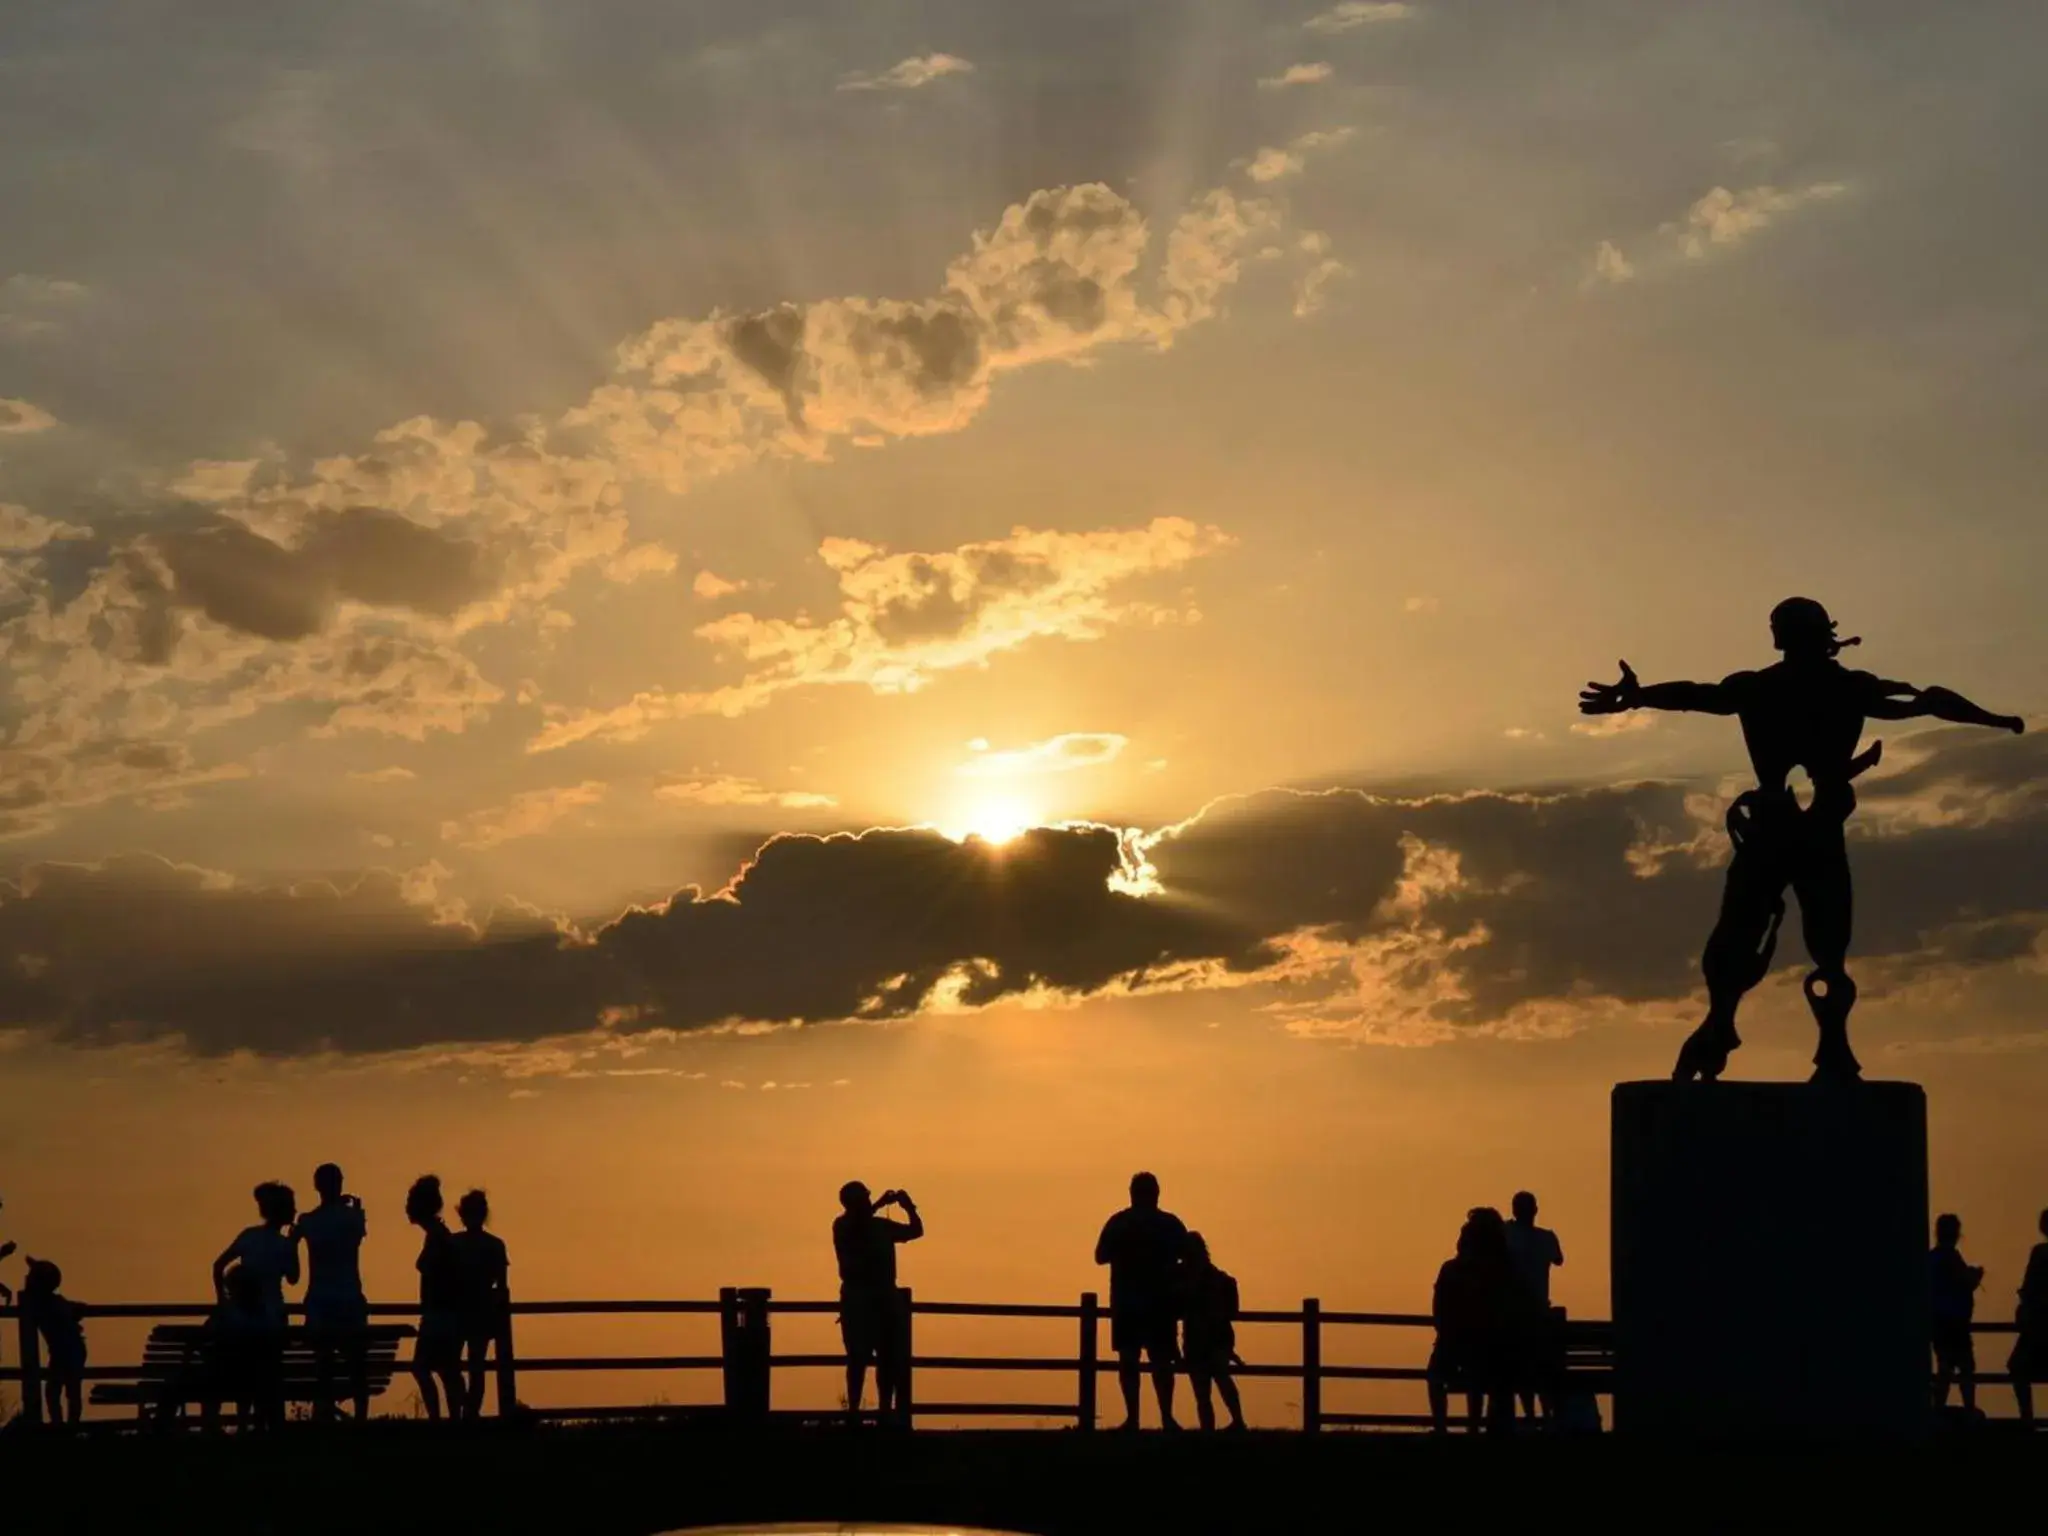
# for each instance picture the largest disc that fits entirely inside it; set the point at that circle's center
(747, 1362)
(167, 1311)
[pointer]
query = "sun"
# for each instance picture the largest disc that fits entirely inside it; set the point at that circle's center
(995, 819)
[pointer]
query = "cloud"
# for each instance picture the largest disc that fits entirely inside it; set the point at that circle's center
(1311, 291)
(350, 592)
(1297, 74)
(23, 418)
(711, 586)
(1060, 754)
(259, 586)
(1271, 165)
(1610, 265)
(725, 789)
(23, 532)
(909, 75)
(1359, 13)
(524, 815)
(638, 560)
(392, 775)
(1339, 911)
(1616, 725)
(1725, 218)
(1719, 220)
(215, 480)
(1421, 603)
(38, 306)
(904, 618)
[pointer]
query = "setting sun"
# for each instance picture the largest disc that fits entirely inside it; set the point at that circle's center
(995, 819)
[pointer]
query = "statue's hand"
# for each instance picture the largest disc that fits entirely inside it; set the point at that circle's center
(1612, 698)
(2016, 725)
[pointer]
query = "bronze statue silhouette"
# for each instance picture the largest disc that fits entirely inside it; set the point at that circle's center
(1806, 711)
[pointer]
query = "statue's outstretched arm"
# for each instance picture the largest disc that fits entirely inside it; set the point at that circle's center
(1696, 698)
(1902, 701)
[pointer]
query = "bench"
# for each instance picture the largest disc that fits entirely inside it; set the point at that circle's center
(1589, 1357)
(178, 1371)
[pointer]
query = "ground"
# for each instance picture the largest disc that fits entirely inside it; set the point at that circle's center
(635, 1481)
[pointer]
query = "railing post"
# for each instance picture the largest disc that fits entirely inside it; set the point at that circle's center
(1090, 1315)
(1311, 1365)
(31, 1366)
(744, 1335)
(906, 1356)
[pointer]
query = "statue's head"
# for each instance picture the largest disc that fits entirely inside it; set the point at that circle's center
(1801, 627)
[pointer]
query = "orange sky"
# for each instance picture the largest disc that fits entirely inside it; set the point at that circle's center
(478, 503)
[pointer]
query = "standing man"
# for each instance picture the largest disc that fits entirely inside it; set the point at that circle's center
(1952, 1294)
(865, 1243)
(1535, 1251)
(1143, 1245)
(337, 1314)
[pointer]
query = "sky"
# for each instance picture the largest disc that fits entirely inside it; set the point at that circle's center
(656, 606)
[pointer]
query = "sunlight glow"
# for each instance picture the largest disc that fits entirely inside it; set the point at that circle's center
(995, 819)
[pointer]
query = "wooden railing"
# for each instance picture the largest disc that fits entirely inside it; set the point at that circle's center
(747, 1361)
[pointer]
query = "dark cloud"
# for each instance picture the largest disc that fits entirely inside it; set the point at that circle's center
(1512, 899)
(241, 579)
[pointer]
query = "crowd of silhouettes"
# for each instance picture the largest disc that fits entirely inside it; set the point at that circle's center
(465, 1308)
(1498, 1338)
(1952, 1286)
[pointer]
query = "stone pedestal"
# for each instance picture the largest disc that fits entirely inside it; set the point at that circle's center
(1769, 1252)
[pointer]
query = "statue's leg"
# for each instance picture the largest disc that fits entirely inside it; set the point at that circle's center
(1737, 957)
(1825, 909)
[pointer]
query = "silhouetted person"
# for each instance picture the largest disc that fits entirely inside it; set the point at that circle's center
(1142, 1244)
(1536, 1251)
(59, 1323)
(239, 1336)
(1477, 1305)
(1208, 1310)
(1454, 1309)
(490, 1297)
(270, 1255)
(337, 1313)
(444, 1301)
(1952, 1296)
(864, 1242)
(2029, 1361)
(1806, 711)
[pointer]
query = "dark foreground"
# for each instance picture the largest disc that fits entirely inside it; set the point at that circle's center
(635, 1481)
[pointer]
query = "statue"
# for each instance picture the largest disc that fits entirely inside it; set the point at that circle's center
(1806, 711)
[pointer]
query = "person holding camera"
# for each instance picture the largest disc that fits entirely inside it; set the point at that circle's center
(870, 1316)
(337, 1314)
